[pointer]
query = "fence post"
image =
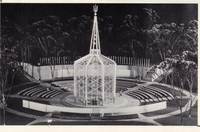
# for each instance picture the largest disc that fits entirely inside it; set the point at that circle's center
(53, 61)
(124, 60)
(117, 59)
(48, 59)
(61, 60)
(39, 73)
(64, 59)
(43, 61)
(142, 67)
(131, 61)
(146, 62)
(139, 69)
(67, 59)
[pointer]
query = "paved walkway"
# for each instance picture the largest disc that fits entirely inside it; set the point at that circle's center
(141, 118)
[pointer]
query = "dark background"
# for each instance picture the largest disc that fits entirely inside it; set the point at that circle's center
(25, 14)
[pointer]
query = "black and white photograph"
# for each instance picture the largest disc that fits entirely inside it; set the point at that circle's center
(99, 64)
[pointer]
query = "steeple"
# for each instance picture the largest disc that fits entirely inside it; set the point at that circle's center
(94, 74)
(95, 41)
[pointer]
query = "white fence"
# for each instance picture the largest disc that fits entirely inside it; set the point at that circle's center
(66, 60)
(62, 71)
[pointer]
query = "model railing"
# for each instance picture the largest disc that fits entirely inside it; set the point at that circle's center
(65, 60)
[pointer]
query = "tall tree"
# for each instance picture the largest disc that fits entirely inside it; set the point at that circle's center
(168, 39)
(131, 35)
(150, 18)
(183, 69)
(108, 37)
(8, 66)
(48, 36)
(79, 29)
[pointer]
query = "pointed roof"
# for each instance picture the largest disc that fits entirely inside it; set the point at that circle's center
(95, 41)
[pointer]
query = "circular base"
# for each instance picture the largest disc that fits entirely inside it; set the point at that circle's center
(124, 103)
(120, 101)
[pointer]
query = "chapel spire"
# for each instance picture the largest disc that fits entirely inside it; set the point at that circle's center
(95, 41)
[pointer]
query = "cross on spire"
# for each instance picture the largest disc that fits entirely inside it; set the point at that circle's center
(95, 9)
(95, 41)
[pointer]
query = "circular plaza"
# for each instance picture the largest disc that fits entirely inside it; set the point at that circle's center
(135, 101)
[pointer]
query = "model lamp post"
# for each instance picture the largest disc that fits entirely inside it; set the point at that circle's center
(94, 74)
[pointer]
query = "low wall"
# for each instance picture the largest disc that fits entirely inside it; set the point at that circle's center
(132, 110)
(132, 71)
(45, 72)
(61, 71)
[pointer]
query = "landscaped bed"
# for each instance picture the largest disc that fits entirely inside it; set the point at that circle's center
(176, 120)
(16, 104)
(171, 107)
(72, 116)
(120, 117)
(95, 123)
(13, 119)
